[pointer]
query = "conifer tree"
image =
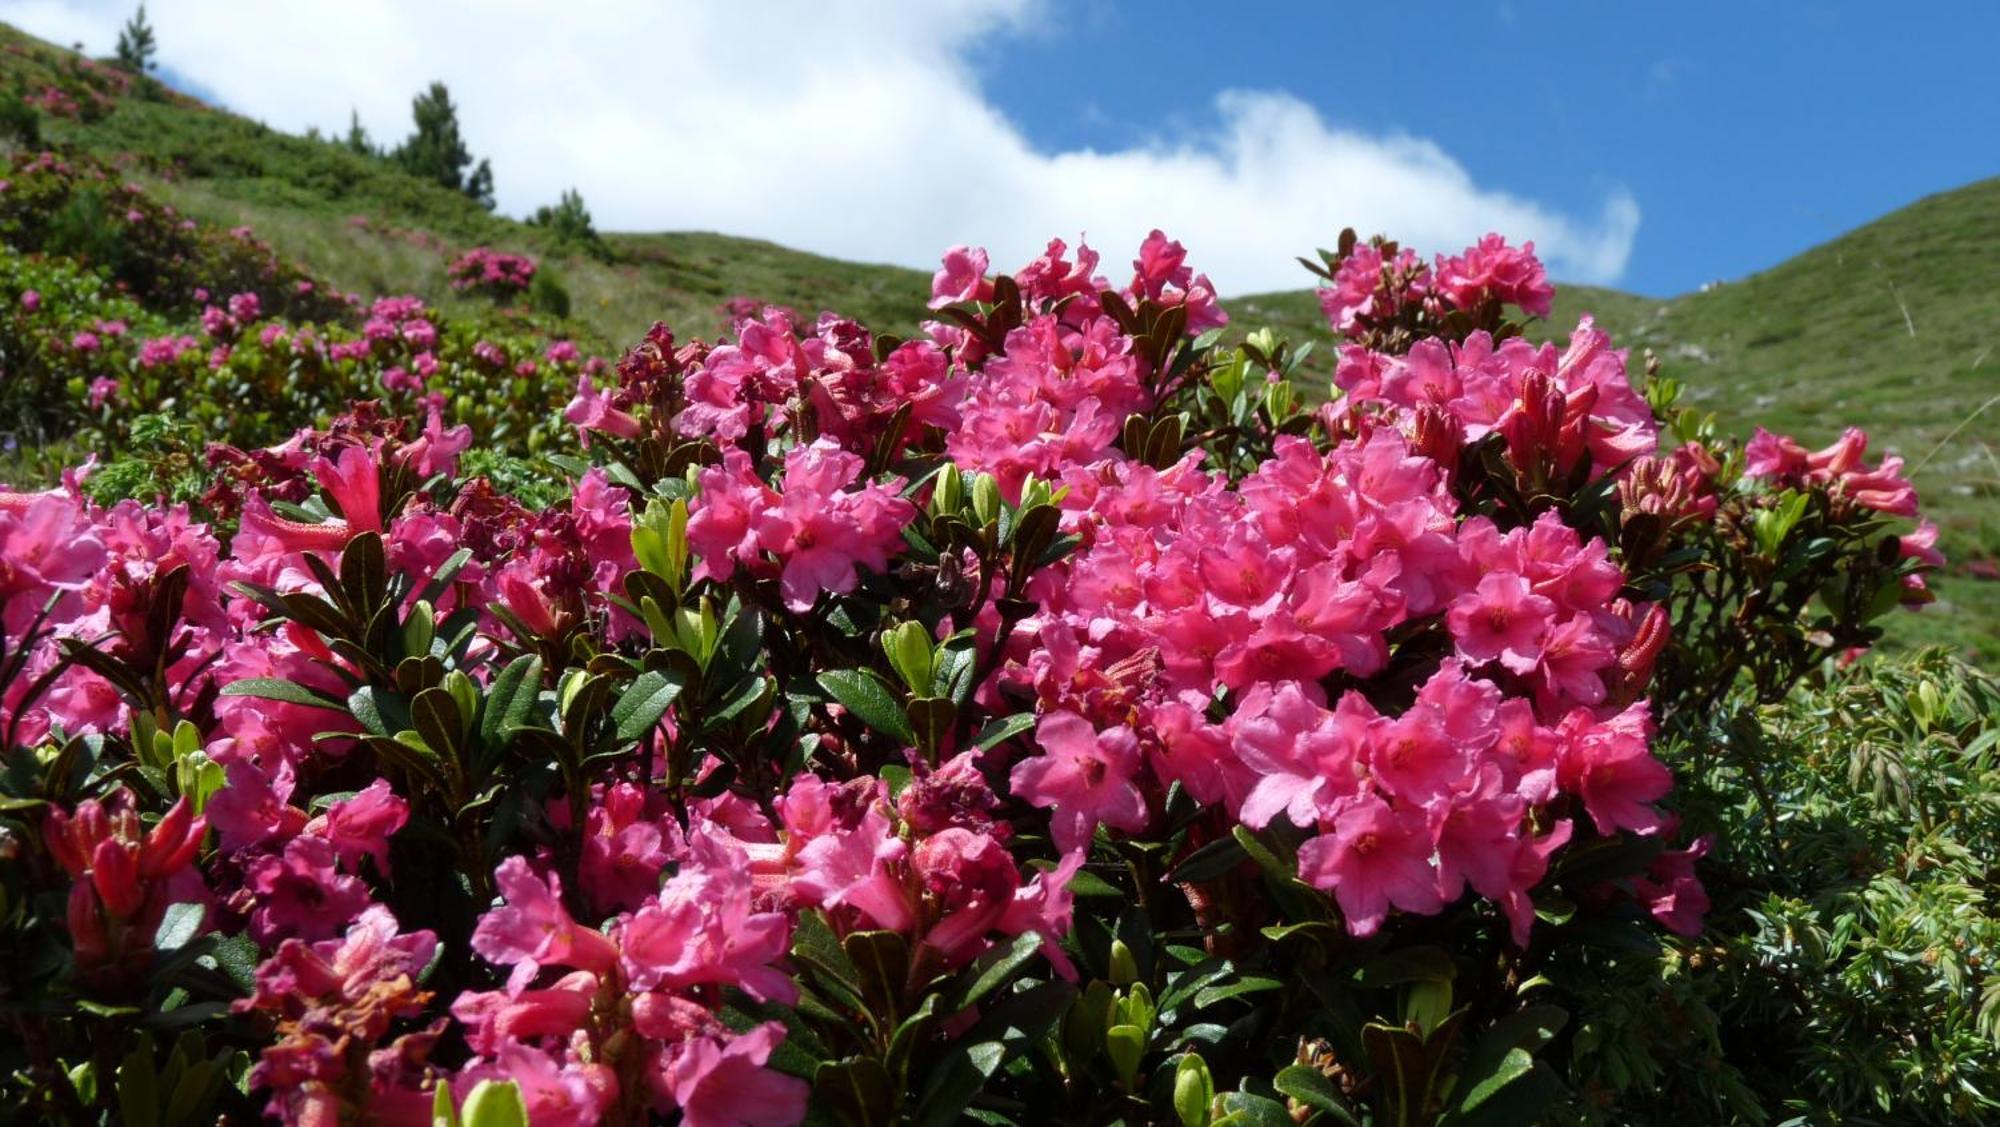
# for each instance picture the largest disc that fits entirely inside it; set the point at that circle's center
(136, 45)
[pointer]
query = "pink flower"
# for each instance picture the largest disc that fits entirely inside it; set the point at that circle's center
(961, 278)
(973, 878)
(1084, 777)
(1375, 858)
(1837, 467)
(847, 858)
(297, 893)
(1492, 269)
(719, 1080)
(1672, 892)
(1305, 756)
(701, 929)
(719, 528)
(591, 409)
(1501, 620)
(102, 390)
(1609, 764)
(31, 300)
(1044, 906)
(624, 850)
(822, 531)
(554, 1091)
(253, 808)
(353, 481)
(1529, 863)
(532, 929)
(361, 826)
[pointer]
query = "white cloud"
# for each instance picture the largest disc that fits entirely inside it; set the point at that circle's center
(856, 130)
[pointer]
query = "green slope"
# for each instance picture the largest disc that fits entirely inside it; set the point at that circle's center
(305, 196)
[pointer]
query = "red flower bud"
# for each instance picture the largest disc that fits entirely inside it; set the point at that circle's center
(114, 872)
(166, 849)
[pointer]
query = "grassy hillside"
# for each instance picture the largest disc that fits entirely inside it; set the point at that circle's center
(1890, 326)
(367, 226)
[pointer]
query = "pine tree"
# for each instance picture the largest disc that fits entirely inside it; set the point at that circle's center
(437, 153)
(135, 44)
(357, 139)
(569, 221)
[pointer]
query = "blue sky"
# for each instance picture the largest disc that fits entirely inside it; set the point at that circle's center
(1746, 132)
(1649, 146)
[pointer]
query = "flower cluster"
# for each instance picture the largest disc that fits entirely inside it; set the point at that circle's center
(812, 531)
(1780, 460)
(494, 273)
(1013, 716)
(1376, 285)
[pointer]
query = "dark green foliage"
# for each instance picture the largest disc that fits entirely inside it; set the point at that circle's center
(548, 295)
(136, 45)
(1847, 974)
(569, 221)
(83, 228)
(437, 153)
(19, 121)
(357, 140)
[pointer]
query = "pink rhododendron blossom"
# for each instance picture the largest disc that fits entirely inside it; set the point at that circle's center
(1492, 270)
(1084, 777)
(1375, 857)
(722, 1081)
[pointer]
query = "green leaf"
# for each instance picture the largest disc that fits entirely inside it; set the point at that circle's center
(139, 1099)
(1004, 729)
(1522, 1099)
(858, 1091)
(881, 961)
(645, 701)
(1125, 1045)
(1194, 1090)
(1210, 861)
(1411, 964)
(179, 925)
(1506, 1053)
(442, 577)
(378, 714)
(956, 661)
(443, 1112)
(932, 719)
(1247, 1109)
(279, 689)
(1311, 1087)
(510, 700)
(867, 696)
(995, 969)
(1209, 995)
(435, 713)
(1011, 1025)
(494, 1103)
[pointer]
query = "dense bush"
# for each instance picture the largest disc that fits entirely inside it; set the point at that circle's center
(1047, 717)
(105, 321)
(78, 209)
(496, 274)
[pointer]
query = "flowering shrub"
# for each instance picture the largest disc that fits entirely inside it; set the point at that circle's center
(1047, 715)
(88, 363)
(70, 206)
(494, 273)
